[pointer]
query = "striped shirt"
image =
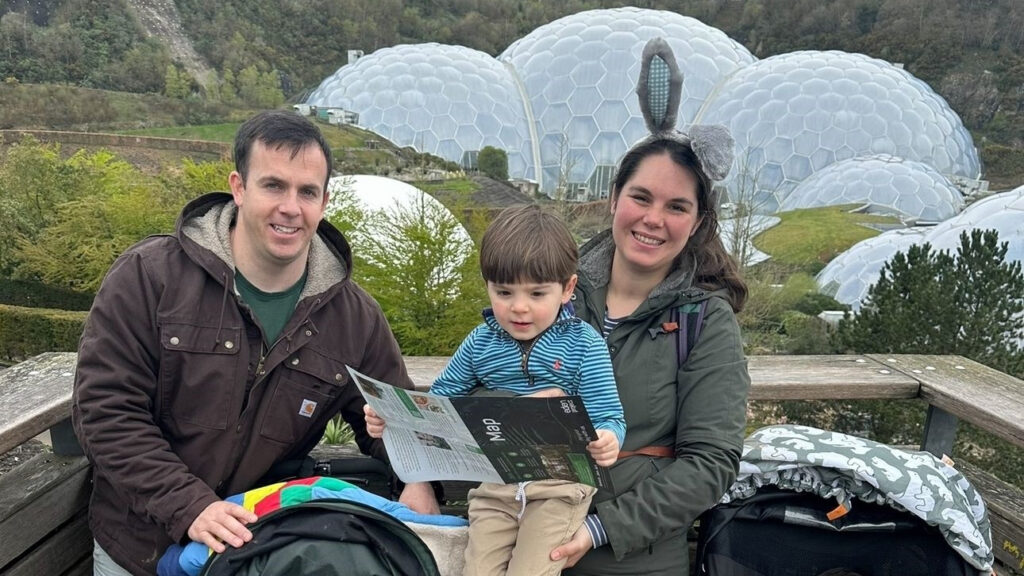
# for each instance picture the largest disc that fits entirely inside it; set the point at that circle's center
(569, 355)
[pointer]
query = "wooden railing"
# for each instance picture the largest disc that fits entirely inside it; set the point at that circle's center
(42, 502)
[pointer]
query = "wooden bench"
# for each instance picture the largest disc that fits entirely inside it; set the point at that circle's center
(42, 502)
(43, 525)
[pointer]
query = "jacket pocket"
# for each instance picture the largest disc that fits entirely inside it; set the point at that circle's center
(302, 396)
(198, 373)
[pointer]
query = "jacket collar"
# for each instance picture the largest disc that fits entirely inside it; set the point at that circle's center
(595, 268)
(207, 222)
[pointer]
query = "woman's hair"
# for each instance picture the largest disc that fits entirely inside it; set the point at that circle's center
(527, 244)
(715, 267)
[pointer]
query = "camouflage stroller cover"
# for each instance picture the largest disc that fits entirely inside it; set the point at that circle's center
(844, 467)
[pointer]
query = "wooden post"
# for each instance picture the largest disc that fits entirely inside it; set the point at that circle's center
(939, 432)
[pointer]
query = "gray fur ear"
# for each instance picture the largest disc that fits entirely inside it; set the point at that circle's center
(714, 148)
(660, 86)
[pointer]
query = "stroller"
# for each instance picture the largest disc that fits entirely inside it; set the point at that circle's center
(809, 502)
(318, 526)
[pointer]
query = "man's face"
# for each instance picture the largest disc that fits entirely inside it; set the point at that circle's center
(280, 205)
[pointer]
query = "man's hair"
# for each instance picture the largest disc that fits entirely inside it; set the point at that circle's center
(839, 572)
(277, 128)
(527, 244)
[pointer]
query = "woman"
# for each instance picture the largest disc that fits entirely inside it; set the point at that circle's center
(663, 251)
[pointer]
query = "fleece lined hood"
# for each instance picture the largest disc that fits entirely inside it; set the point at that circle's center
(207, 221)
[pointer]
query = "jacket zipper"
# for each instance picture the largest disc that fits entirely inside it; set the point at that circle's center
(524, 361)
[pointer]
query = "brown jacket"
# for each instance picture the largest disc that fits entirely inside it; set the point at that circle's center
(177, 403)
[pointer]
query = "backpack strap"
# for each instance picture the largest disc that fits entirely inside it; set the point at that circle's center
(690, 319)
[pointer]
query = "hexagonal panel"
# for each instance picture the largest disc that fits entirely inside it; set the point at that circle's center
(861, 106)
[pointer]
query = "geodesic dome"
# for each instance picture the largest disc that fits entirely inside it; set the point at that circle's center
(794, 114)
(440, 99)
(848, 276)
(580, 75)
(378, 196)
(887, 184)
(1003, 212)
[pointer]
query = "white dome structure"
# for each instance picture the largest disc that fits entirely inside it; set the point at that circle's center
(580, 74)
(794, 114)
(380, 196)
(848, 276)
(444, 100)
(1003, 212)
(886, 184)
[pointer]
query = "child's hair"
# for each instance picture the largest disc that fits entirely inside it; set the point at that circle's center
(527, 244)
(839, 572)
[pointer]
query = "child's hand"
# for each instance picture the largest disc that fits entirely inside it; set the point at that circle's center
(604, 450)
(374, 423)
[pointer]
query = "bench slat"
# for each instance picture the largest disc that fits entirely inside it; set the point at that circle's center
(1004, 503)
(826, 378)
(65, 549)
(34, 395)
(38, 495)
(993, 401)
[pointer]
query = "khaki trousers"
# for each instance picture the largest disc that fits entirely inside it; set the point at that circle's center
(514, 527)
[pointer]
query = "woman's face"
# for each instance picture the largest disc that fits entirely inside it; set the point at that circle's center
(654, 215)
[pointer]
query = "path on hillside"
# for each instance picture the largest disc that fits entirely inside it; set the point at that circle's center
(160, 18)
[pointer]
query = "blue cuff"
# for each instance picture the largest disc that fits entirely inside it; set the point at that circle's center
(596, 529)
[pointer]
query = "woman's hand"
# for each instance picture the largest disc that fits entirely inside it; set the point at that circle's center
(374, 423)
(575, 548)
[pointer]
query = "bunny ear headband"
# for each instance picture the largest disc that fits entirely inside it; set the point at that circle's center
(660, 89)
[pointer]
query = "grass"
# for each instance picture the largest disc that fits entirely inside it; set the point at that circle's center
(809, 239)
(457, 186)
(213, 132)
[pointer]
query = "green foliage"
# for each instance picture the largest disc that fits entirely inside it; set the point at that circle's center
(38, 295)
(25, 332)
(814, 303)
(422, 272)
(175, 83)
(69, 219)
(928, 302)
(117, 207)
(810, 238)
(33, 179)
(806, 334)
(338, 432)
(1005, 161)
(493, 162)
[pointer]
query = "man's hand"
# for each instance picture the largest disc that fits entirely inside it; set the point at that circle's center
(604, 450)
(574, 549)
(419, 497)
(374, 423)
(222, 522)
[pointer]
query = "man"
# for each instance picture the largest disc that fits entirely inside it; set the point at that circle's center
(213, 353)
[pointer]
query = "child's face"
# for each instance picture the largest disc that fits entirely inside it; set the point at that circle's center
(525, 309)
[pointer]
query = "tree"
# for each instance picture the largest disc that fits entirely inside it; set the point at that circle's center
(174, 85)
(747, 207)
(493, 162)
(928, 302)
(422, 271)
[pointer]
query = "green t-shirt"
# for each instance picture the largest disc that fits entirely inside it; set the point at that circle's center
(272, 309)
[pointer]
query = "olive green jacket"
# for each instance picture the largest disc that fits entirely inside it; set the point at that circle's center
(699, 409)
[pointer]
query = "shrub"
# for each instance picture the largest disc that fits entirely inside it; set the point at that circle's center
(37, 295)
(25, 332)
